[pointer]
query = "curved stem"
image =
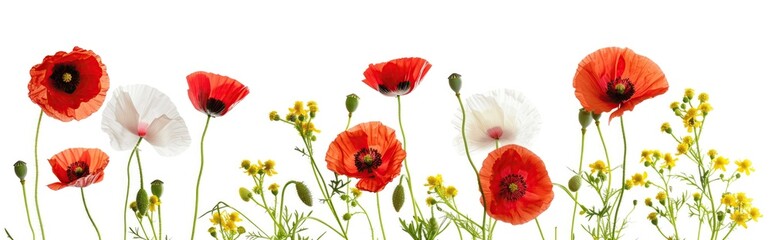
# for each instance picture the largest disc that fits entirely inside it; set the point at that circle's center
(348, 123)
(198, 181)
(372, 232)
(37, 175)
(320, 182)
(624, 171)
(576, 195)
(407, 169)
(83, 196)
(380, 219)
(26, 207)
(325, 224)
(539, 226)
(128, 186)
(605, 151)
(471, 163)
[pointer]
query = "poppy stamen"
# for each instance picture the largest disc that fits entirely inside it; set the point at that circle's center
(65, 77)
(215, 106)
(367, 159)
(620, 89)
(512, 187)
(77, 170)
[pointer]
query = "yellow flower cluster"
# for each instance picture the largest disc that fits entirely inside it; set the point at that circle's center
(652, 157)
(691, 115)
(435, 185)
(638, 179)
(226, 220)
(598, 166)
(300, 115)
(740, 207)
(268, 167)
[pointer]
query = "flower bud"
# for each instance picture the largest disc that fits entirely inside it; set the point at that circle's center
(133, 206)
(398, 197)
(596, 116)
(245, 164)
(303, 193)
(213, 232)
(575, 183)
(245, 194)
(20, 167)
(635, 202)
(352, 102)
(720, 215)
(346, 216)
(241, 230)
(585, 118)
(455, 82)
(142, 202)
(433, 225)
(157, 187)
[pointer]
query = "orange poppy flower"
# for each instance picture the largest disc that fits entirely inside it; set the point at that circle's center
(396, 77)
(515, 184)
(368, 151)
(214, 94)
(617, 78)
(70, 85)
(78, 167)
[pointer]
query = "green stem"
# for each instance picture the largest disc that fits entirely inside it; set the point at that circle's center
(469, 158)
(539, 226)
(152, 226)
(730, 231)
(26, 207)
(605, 151)
(372, 232)
(325, 224)
(37, 175)
(407, 169)
(493, 226)
(128, 186)
(576, 195)
(319, 176)
(198, 181)
(348, 123)
(624, 172)
(83, 196)
(380, 219)
(160, 229)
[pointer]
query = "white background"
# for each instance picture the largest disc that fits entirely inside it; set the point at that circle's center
(318, 51)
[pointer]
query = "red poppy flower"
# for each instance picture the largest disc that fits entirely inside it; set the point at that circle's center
(214, 94)
(70, 85)
(617, 78)
(515, 184)
(396, 77)
(78, 167)
(368, 151)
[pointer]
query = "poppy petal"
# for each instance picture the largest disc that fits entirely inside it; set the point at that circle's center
(120, 120)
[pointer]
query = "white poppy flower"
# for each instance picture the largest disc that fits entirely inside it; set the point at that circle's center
(504, 115)
(137, 111)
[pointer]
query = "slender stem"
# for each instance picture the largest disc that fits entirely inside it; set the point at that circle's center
(160, 229)
(152, 226)
(348, 123)
(469, 158)
(26, 207)
(139, 165)
(730, 231)
(539, 226)
(624, 172)
(128, 186)
(380, 219)
(493, 226)
(37, 175)
(407, 169)
(605, 151)
(83, 196)
(576, 195)
(141, 225)
(319, 176)
(328, 225)
(198, 181)
(372, 232)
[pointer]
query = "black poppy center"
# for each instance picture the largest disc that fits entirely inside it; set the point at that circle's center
(65, 78)
(367, 159)
(512, 187)
(402, 87)
(619, 90)
(77, 170)
(215, 106)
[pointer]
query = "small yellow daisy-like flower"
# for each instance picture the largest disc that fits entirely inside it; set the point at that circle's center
(230, 226)
(274, 116)
(628, 184)
(309, 127)
(434, 181)
(705, 108)
(742, 200)
(312, 107)
(729, 200)
(356, 192)
(245, 164)
(234, 217)
(652, 216)
(712, 153)
(720, 163)
(740, 218)
(703, 97)
(682, 148)
(430, 201)
(755, 214)
(646, 156)
(274, 187)
(154, 202)
(656, 154)
(598, 166)
(744, 166)
(269, 167)
(253, 170)
(298, 108)
(647, 202)
(669, 161)
(666, 127)
(661, 196)
(216, 219)
(640, 179)
(689, 93)
(688, 140)
(451, 191)
(675, 105)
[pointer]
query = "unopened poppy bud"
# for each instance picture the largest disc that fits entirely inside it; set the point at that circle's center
(585, 118)
(142, 202)
(245, 194)
(303, 193)
(157, 187)
(352, 102)
(455, 82)
(20, 168)
(241, 230)
(346, 216)
(213, 232)
(575, 183)
(398, 197)
(596, 116)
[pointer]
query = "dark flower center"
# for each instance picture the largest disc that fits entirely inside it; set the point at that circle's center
(65, 78)
(402, 87)
(367, 159)
(619, 90)
(512, 187)
(214, 106)
(77, 170)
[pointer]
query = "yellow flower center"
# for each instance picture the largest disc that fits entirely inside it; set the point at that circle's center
(66, 77)
(78, 170)
(620, 88)
(513, 187)
(368, 159)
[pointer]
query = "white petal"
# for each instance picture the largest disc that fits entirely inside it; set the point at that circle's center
(120, 120)
(168, 136)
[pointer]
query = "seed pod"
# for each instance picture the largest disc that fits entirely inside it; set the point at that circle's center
(20, 168)
(245, 194)
(352, 102)
(398, 197)
(575, 183)
(585, 118)
(142, 202)
(303, 193)
(157, 187)
(454, 80)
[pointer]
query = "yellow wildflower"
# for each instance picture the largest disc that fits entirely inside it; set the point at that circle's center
(598, 166)
(253, 170)
(652, 216)
(269, 167)
(740, 218)
(430, 201)
(742, 200)
(646, 156)
(309, 127)
(712, 153)
(647, 202)
(744, 166)
(628, 184)
(755, 214)
(688, 140)
(705, 108)
(697, 196)
(274, 116)
(356, 192)
(720, 163)
(234, 217)
(682, 148)
(703, 97)
(640, 179)
(666, 127)
(452, 191)
(312, 107)
(154, 202)
(729, 200)
(669, 161)
(245, 164)
(661, 196)
(689, 93)
(216, 219)
(434, 181)
(274, 188)
(674, 105)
